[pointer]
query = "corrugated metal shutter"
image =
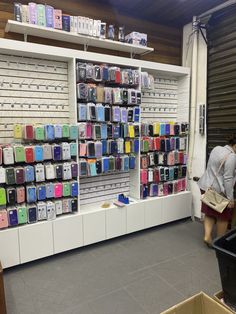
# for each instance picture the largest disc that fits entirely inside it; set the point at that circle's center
(221, 109)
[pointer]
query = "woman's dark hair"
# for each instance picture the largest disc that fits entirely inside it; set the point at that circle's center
(232, 139)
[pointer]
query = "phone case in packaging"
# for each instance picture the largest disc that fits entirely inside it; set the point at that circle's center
(82, 167)
(117, 99)
(100, 94)
(166, 174)
(100, 113)
(12, 217)
(58, 207)
(75, 188)
(132, 162)
(118, 163)
(96, 131)
(49, 16)
(108, 95)
(22, 214)
(66, 206)
(150, 175)
(65, 131)
(49, 132)
(175, 187)
(153, 191)
(10, 176)
(165, 189)
(18, 131)
(90, 149)
(127, 147)
(123, 115)
(58, 131)
(132, 99)
(19, 153)
(67, 175)
(41, 192)
(41, 16)
(74, 205)
(31, 194)
(82, 112)
(144, 162)
(20, 194)
(97, 73)
(29, 174)
(98, 149)
(38, 153)
(73, 149)
(182, 143)
(136, 114)
(82, 91)
(50, 190)
(130, 114)
(8, 156)
(107, 113)
(47, 152)
(104, 147)
(3, 197)
(176, 172)
(11, 196)
(65, 147)
(28, 132)
(51, 211)
(92, 93)
(91, 112)
(112, 163)
(116, 114)
(57, 18)
(39, 173)
(171, 159)
(19, 175)
(58, 169)
(82, 131)
(170, 188)
(131, 130)
(172, 129)
(81, 69)
(50, 173)
(29, 154)
(144, 176)
(105, 164)
(18, 12)
(143, 191)
(120, 145)
(42, 210)
(73, 132)
(171, 173)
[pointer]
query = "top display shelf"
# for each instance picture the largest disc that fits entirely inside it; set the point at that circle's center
(86, 41)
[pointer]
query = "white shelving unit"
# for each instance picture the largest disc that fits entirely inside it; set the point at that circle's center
(92, 223)
(86, 41)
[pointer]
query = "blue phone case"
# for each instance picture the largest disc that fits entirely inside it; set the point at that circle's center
(31, 194)
(74, 189)
(171, 173)
(103, 131)
(126, 163)
(29, 174)
(114, 147)
(132, 162)
(136, 146)
(32, 214)
(177, 143)
(136, 114)
(41, 192)
(82, 112)
(105, 164)
(162, 129)
(12, 217)
(167, 145)
(50, 190)
(57, 152)
(104, 147)
(167, 129)
(49, 132)
(38, 153)
(100, 112)
(116, 131)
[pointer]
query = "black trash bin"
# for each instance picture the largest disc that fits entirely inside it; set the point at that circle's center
(226, 254)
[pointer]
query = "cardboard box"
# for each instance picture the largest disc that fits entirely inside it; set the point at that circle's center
(198, 304)
(219, 297)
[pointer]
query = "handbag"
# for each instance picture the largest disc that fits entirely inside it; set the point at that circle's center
(212, 198)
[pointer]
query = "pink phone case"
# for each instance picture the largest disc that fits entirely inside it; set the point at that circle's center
(181, 157)
(150, 141)
(3, 219)
(183, 181)
(89, 130)
(82, 149)
(58, 190)
(179, 186)
(165, 189)
(20, 194)
(171, 159)
(144, 176)
(172, 130)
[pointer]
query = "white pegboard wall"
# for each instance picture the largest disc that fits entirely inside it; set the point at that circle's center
(32, 89)
(161, 103)
(104, 187)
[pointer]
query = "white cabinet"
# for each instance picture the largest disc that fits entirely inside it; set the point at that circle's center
(135, 217)
(94, 225)
(153, 212)
(9, 247)
(67, 233)
(36, 241)
(177, 206)
(115, 222)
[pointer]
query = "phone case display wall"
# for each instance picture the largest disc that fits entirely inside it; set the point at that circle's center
(108, 114)
(163, 159)
(38, 87)
(39, 177)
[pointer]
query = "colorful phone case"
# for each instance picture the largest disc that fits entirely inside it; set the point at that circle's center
(19, 153)
(10, 176)
(42, 211)
(29, 174)
(20, 194)
(38, 153)
(29, 154)
(3, 219)
(39, 133)
(66, 189)
(22, 215)
(32, 213)
(41, 192)
(19, 175)
(12, 217)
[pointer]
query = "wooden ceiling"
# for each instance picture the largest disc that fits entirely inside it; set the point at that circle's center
(167, 12)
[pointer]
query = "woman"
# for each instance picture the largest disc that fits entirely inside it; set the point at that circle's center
(223, 182)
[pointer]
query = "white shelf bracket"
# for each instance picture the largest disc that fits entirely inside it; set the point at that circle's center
(25, 37)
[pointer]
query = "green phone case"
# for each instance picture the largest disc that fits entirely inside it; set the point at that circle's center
(22, 215)
(73, 132)
(73, 149)
(65, 131)
(66, 189)
(3, 197)
(39, 133)
(19, 154)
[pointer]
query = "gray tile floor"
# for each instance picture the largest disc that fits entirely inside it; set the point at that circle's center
(146, 272)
